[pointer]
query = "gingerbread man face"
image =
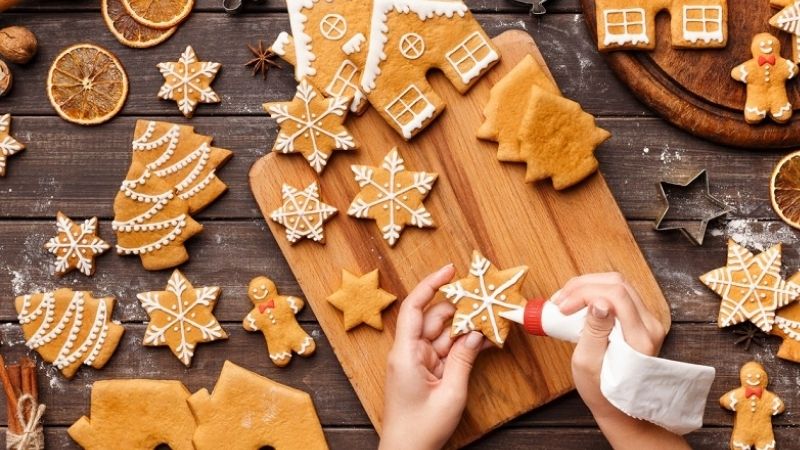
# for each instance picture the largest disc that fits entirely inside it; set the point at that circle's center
(753, 375)
(260, 289)
(765, 45)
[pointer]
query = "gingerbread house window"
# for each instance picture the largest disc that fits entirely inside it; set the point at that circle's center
(412, 46)
(342, 84)
(471, 56)
(625, 25)
(410, 109)
(333, 27)
(702, 23)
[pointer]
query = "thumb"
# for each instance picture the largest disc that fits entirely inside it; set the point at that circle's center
(599, 322)
(459, 361)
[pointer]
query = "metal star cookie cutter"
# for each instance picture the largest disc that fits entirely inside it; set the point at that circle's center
(236, 6)
(537, 6)
(696, 236)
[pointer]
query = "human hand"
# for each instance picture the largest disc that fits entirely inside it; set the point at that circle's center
(428, 371)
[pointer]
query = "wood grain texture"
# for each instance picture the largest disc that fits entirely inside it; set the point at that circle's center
(477, 203)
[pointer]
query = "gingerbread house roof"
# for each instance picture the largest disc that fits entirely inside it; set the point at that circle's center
(302, 40)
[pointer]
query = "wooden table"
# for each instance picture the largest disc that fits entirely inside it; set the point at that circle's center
(78, 170)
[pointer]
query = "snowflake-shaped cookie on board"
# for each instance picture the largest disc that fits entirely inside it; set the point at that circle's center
(8, 145)
(312, 125)
(392, 196)
(181, 317)
(303, 213)
(751, 287)
(76, 246)
(480, 298)
(188, 81)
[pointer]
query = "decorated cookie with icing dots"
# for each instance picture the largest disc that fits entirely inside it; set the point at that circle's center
(187, 81)
(76, 245)
(753, 407)
(303, 213)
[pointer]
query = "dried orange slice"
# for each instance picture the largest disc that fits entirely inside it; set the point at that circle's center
(784, 189)
(87, 84)
(160, 14)
(127, 30)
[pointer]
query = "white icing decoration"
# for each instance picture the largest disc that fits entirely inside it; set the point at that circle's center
(293, 304)
(185, 81)
(782, 110)
(743, 73)
(732, 400)
(769, 446)
(776, 406)
(715, 19)
(333, 27)
(82, 245)
(755, 110)
(279, 356)
(353, 45)
(412, 46)
(631, 17)
(304, 55)
(251, 322)
(342, 84)
(303, 213)
(8, 146)
(465, 53)
(415, 118)
(307, 341)
(741, 445)
(279, 46)
(792, 69)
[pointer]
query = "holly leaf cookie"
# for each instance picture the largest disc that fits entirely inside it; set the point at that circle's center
(8, 145)
(76, 246)
(303, 213)
(361, 300)
(187, 81)
(181, 317)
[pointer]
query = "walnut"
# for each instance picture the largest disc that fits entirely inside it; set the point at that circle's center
(17, 44)
(5, 79)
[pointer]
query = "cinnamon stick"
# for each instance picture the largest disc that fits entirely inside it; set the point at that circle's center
(28, 380)
(11, 398)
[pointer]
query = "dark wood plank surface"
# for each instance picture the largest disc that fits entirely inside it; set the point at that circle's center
(78, 170)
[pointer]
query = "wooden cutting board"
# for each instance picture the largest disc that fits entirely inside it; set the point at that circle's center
(477, 203)
(693, 89)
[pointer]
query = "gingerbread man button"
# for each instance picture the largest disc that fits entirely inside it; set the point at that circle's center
(766, 75)
(753, 406)
(274, 315)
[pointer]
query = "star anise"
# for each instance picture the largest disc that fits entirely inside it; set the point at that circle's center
(749, 334)
(263, 59)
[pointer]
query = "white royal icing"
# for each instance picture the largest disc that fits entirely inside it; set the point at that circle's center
(705, 19)
(625, 37)
(478, 65)
(304, 54)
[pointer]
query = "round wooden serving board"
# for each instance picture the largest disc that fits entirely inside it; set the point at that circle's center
(693, 89)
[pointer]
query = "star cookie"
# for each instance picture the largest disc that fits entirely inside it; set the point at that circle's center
(361, 300)
(181, 317)
(751, 287)
(312, 125)
(480, 298)
(76, 246)
(188, 81)
(303, 213)
(392, 196)
(8, 145)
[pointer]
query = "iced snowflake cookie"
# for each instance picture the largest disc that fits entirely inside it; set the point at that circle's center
(8, 145)
(480, 298)
(753, 407)
(136, 415)
(751, 287)
(76, 246)
(274, 315)
(311, 125)
(187, 81)
(392, 196)
(248, 411)
(69, 328)
(361, 300)
(181, 317)
(303, 213)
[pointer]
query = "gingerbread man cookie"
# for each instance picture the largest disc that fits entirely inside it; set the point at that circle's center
(274, 315)
(753, 407)
(766, 75)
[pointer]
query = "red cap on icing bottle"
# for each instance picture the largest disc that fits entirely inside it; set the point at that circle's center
(533, 317)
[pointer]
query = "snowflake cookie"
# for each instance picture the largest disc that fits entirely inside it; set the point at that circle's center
(361, 300)
(181, 317)
(311, 125)
(751, 287)
(392, 196)
(8, 145)
(274, 315)
(76, 246)
(303, 213)
(188, 81)
(480, 298)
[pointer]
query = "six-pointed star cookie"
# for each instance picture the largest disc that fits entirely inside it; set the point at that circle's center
(480, 298)
(188, 81)
(361, 300)
(392, 196)
(312, 125)
(303, 213)
(76, 246)
(8, 145)
(751, 287)
(181, 317)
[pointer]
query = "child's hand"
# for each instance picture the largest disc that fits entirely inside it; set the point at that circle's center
(428, 372)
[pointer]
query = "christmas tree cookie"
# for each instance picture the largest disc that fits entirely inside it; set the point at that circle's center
(303, 213)
(187, 81)
(8, 145)
(76, 245)
(361, 300)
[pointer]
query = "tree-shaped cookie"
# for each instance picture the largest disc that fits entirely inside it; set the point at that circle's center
(303, 213)
(480, 298)
(753, 407)
(187, 81)
(69, 328)
(787, 327)
(248, 411)
(8, 145)
(136, 415)
(751, 287)
(76, 245)
(361, 300)
(274, 315)
(181, 317)
(392, 196)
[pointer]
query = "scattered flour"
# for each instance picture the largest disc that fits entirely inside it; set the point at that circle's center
(755, 234)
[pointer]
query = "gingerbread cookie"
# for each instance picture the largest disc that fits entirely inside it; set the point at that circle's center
(247, 411)
(136, 415)
(69, 328)
(480, 298)
(76, 246)
(392, 196)
(787, 327)
(187, 81)
(631, 24)
(788, 20)
(274, 315)
(181, 317)
(8, 145)
(766, 75)
(303, 213)
(751, 287)
(753, 407)
(361, 300)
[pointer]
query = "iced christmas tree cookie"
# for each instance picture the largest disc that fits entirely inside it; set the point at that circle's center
(8, 145)
(187, 81)
(76, 245)
(303, 213)
(361, 300)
